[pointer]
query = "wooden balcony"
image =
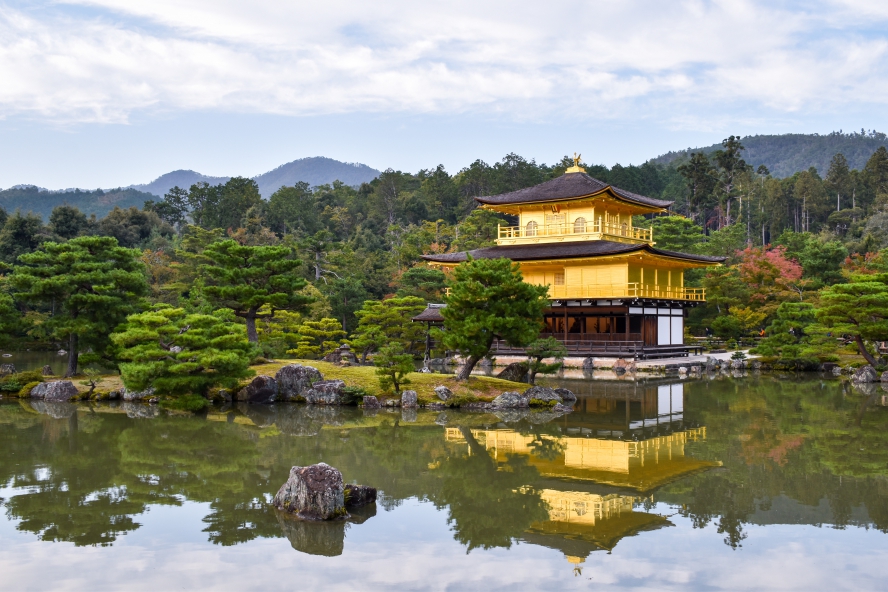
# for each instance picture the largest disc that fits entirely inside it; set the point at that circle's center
(511, 235)
(630, 290)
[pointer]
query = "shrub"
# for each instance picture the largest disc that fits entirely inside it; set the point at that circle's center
(393, 366)
(25, 391)
(352, 395)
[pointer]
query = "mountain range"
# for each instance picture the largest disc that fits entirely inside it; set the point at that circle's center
(317, 170)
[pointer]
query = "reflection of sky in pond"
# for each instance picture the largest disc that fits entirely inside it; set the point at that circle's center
(755, 484)
(412, 547)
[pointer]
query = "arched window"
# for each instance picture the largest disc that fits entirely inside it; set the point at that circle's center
(531, 228)
(579, 225)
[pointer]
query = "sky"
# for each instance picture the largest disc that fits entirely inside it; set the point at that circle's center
(102, 93)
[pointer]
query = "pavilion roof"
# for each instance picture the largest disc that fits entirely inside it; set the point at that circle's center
(564, 250)
(568, 186)
(432, 314)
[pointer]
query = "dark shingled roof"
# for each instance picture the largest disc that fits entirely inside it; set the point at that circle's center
(431, 314)
(567, 186)
(565, 250)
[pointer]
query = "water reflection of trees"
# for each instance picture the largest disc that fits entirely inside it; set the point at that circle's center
(88, 476)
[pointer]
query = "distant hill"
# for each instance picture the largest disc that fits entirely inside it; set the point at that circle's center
(317, 170)
(29, 198)
(787, 154)
(184, 179)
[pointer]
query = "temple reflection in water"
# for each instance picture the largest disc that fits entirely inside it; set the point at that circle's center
(610, 454)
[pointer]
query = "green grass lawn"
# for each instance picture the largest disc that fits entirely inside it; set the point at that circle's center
(483, 387)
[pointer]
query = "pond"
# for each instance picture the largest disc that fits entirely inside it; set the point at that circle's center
(749, 483)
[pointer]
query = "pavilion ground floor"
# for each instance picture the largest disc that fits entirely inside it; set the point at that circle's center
(648, 329)
(616, 328)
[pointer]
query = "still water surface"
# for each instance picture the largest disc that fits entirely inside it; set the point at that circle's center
(754, 483)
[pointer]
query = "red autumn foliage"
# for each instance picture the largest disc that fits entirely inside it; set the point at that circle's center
(768, 271)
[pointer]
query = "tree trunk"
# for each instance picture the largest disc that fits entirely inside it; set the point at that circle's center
(72, 356)
(252, 336)
(467, 368)
(864, 352)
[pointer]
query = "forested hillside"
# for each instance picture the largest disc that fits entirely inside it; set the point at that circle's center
(98, 202)
(787, 154)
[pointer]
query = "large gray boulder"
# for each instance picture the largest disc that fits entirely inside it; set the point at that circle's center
(510, 400)
(589, 364)
(371, 402)
(295, 380)
(408, 399)
(128, 395)
(444, 393)
(542, 393)
(314, 492)
(516, 372)
(865, 374)
(262, 389)
(59, 390)
(325, 392)
(884, 377)
(565, 394)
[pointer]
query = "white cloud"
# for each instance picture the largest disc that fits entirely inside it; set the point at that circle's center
(105, 60)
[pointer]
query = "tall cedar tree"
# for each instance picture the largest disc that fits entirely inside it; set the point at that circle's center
(179, 353)
(245, 278)
(90, 284)
(859, 309)
(490, 300)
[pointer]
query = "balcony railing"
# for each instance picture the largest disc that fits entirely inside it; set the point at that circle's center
(590, 230)
(630, 290)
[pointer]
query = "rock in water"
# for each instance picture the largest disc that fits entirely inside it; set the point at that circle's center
(262, 389)
(589, 364)
(622, 366)
(510, 400)
(542, 393)
(865, 374)
(444, 393)
(565, 394)
(325, 392)
(7, 369)
(47, 370)
(516, 372)
(294, 380)
(60, 390)
(314, 493)
(408, 399)
(371, 402)
(359, 495)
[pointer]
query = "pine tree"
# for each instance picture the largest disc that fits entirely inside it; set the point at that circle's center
(90, 284)
(178, 353)
(244, 279)
(490, 300)
(859, 309)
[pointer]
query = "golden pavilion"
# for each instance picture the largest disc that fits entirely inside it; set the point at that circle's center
(611, 291)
